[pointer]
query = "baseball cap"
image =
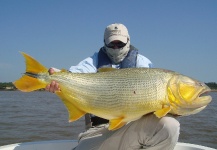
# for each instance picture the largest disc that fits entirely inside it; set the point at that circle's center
(116, 31)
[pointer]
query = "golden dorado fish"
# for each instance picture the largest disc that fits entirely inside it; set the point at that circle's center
(119, 95)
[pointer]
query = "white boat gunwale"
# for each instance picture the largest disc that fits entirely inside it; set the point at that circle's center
(69, 144)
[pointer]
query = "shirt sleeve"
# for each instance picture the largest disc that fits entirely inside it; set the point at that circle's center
(142, 62)
(88, 65)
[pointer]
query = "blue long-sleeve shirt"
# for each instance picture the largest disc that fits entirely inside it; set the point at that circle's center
(89, 65)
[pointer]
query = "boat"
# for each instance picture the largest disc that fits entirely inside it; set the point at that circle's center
(70, 144)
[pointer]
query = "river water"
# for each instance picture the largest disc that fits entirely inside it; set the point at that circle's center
(39, 116)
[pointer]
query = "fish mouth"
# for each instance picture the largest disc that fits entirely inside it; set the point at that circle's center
(203, 98)
(204, 93)
(197, 105)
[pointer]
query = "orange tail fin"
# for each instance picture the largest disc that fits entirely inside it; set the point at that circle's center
(30, 81)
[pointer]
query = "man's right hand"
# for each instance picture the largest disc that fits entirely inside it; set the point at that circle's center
(53, 86)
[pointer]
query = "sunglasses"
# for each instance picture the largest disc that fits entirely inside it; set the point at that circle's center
(118, 45)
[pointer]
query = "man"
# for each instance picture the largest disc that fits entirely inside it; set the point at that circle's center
(148, 132)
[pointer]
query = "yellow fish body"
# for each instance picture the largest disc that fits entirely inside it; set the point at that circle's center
(119, 95)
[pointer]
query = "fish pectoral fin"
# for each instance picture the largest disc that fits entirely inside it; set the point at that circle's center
(162, 112)
(106, 69)
(115, 124)
(74, 112)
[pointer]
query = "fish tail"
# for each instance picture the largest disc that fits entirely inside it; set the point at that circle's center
(30, 80)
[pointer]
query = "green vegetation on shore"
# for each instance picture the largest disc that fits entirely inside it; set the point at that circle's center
(212, 85)
(10, 86)
(7, 86)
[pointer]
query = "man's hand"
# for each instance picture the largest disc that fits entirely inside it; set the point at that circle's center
(53, 86)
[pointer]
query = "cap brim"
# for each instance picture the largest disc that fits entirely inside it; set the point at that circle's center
(114, 37)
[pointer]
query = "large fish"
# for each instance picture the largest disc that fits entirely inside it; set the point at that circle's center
(119, 95)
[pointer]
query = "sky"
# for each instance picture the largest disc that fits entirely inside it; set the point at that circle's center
(179, 35)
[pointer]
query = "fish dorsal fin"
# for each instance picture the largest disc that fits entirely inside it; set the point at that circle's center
(162, 112)
(32, 65)
(74, 112)
(115, 124)
(106, 69)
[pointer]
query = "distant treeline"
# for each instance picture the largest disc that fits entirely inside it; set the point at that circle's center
(10, 86)
(212, 85)
(7, 86)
